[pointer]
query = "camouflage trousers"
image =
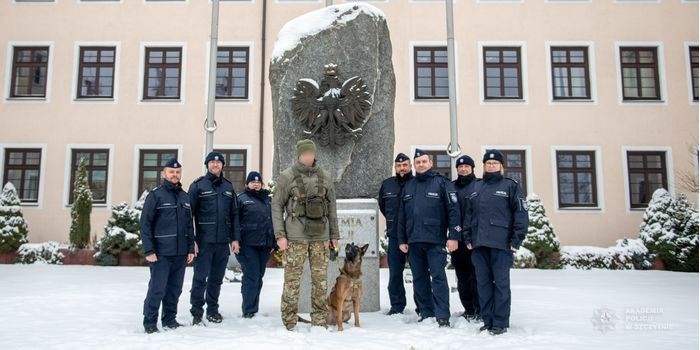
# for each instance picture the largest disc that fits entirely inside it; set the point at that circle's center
(293, 261)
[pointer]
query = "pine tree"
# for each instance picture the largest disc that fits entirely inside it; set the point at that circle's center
(13, 226)
(686, 225)
(82, 207)
(541, 239)
(122, 232)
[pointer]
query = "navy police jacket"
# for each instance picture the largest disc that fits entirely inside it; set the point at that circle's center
(495, 213)
(215, 209)
(429, 209)
(389, 199)
(166, 222)
(255, 213)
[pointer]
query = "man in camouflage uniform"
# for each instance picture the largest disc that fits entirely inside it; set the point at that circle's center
(305, 223)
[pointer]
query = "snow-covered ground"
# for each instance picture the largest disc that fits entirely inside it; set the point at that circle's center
(81, 307)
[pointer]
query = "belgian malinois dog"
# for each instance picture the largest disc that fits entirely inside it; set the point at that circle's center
(347, 291)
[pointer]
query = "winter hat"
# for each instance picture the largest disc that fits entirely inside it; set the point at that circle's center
(214, 155)
(493, 154)
(173, 163)
(465, 159)
(304, 146)
(253, 176)
(400, 158)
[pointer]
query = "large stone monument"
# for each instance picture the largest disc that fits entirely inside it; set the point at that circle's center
(332, 81)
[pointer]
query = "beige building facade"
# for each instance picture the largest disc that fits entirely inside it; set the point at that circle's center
(594, 102)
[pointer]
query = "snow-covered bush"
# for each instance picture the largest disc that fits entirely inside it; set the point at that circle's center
(383, 245)
(121, 234)
(524, 259)
(82, 207)
(13, 227)
(669, 230)
(40, 253)
(540, 239)
(626, 254)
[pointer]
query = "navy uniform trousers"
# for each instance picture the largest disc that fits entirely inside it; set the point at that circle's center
(165, 286)
(493, 281)
(466, 279)
(396, 260)
(209, 269)
(430, 289)
(253, 261)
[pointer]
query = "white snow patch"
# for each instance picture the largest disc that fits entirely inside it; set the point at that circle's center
(314, 22)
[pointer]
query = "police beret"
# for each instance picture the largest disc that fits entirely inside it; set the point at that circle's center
(173, 163)
(493, 154)
(253, 176)
(419, 153)
(214, 155)
(465, 159)
(400, 158)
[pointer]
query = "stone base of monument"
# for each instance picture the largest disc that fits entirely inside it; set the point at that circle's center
(358, 223)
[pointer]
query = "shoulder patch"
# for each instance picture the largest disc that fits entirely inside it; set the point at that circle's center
(511, 179)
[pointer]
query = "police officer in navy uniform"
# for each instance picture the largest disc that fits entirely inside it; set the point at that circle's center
(389, 197)
(428, 219)
(495, 224)
(215, 210)
(461, 258)
(167, 238)
(257, 240)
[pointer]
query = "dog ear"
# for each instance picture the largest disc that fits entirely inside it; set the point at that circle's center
(364, 248)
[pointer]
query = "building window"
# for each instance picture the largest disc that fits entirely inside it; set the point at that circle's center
(232, 73)
(23, 170)
(96, 72)
(570, 77)
(515, 167)
(640, 73)
(235, 168)
(29, 71)
(97, 166)
(576, 178)
(162, 73)
(647, 173)
(693, 51)
(502, 73)
(430, 73)
(442, 163)
(151, 163)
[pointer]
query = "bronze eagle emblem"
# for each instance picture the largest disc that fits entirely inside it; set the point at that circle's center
(333, 111)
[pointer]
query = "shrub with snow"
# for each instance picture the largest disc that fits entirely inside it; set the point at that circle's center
(82, 207)
(670, 231)
(627, 254)
(40, 253)
(524, 259)
(541, 239)
(121, 234)
(383, 245)
(13, 226)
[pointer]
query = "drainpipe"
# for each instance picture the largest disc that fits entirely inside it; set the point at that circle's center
(262, 85)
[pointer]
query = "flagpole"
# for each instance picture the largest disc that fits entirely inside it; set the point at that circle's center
(453, 149)
(210, 124)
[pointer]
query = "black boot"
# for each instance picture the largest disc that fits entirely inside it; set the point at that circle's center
(215, 318)
(173, 325)
(497, 330)
(485, 328)
(393, 312)
(423, 318)
(443, 323)
(197, 321)
(151, 329)
(248, 315)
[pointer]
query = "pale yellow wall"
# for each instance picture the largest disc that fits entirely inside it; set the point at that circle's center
(605, 123)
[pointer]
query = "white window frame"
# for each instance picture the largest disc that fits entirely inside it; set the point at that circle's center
(137, 168)
(251, 74)
(661, 63)
(8, 72)
(523, 71)
(42, 170)
(688, 70)
(104, 2)
(528, 161)
(600, 181)
(591, 72)
(76, 73)
(68, 168)
(15, 2)
(142, 68)
(411, 72)
(668, 151)
(297, 1)
(167, 2)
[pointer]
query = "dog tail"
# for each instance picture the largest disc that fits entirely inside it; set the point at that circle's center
(302, 320)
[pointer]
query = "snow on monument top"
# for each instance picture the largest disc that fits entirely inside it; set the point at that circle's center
(314, 22)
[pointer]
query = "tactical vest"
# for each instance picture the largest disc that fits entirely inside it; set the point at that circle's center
(315, 207)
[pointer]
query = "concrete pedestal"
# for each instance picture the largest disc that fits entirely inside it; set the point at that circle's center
(358, 223)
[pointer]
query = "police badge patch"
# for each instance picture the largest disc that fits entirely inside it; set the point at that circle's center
(523, 203)
(453, 197)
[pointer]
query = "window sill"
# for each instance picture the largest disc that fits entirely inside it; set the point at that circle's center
(30, 204)
(431, 100)
(161, 100)
(580, 209)
(233, 100)
(96, 99)
(643, 102)
(572, 101)
(503, 100)
(28, 99)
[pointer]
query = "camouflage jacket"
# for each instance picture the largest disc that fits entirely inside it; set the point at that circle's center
(286, 200)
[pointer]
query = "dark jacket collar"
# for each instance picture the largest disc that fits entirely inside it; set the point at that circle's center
(426, 175)
(404, 179)
(262, 194)
(464, 180)
(171, 186)
(493, 177)
(214, 179)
